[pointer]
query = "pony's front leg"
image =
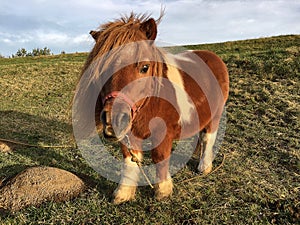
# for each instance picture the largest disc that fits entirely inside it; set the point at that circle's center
(161, 157)
(129, 178)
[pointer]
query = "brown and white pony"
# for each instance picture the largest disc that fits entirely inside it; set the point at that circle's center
(145, 93)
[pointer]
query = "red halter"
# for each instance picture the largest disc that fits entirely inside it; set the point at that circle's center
(122, 96)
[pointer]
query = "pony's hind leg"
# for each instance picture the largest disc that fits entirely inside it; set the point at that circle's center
(207, 154)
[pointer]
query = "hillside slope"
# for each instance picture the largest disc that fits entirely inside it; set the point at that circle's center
(257, 184)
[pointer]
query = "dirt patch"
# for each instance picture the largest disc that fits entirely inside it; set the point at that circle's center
(36, 185)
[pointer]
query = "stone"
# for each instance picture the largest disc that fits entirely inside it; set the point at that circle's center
(4, 148)
(36, 185)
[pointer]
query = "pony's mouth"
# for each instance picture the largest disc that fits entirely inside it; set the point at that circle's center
(115, 134)
(109, 132)
(118, 129)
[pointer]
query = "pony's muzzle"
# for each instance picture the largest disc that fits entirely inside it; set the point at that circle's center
(115, 125)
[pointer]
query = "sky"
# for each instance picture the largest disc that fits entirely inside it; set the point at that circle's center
(64, 25)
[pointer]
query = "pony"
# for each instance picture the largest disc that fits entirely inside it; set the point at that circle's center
(145, 93)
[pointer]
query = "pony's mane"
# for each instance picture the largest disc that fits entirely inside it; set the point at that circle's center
(115, 34)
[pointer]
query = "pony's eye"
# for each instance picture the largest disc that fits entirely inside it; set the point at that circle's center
(144, 69)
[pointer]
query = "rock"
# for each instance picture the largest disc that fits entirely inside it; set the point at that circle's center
(4, 147)
(36, 185)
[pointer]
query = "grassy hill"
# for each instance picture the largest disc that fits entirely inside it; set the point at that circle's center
(258, 183)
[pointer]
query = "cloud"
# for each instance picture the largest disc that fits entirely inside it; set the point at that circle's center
(64, 25)
(214, 21)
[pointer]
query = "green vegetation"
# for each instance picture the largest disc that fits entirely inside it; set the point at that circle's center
(35, 52)
(259, 182)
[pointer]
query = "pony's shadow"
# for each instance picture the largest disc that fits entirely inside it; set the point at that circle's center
(29, 129)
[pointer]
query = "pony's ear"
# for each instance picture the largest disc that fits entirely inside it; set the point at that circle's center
(95, 34)
(149, 28)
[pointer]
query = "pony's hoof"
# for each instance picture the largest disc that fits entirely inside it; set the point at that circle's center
(124, 193)
(205, 169)
(163, 189)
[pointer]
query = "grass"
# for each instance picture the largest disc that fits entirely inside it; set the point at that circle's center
(258, 184)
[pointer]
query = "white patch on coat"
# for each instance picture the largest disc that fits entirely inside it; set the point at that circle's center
(131, 171)
(205, 165)
(184, 104)
(129, 180)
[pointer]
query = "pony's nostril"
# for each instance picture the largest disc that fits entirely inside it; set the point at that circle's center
(120, 123)
(124, 120)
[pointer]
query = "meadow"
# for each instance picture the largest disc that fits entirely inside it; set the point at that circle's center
(259, 178)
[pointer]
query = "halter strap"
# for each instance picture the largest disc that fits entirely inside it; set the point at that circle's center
(122, 96)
